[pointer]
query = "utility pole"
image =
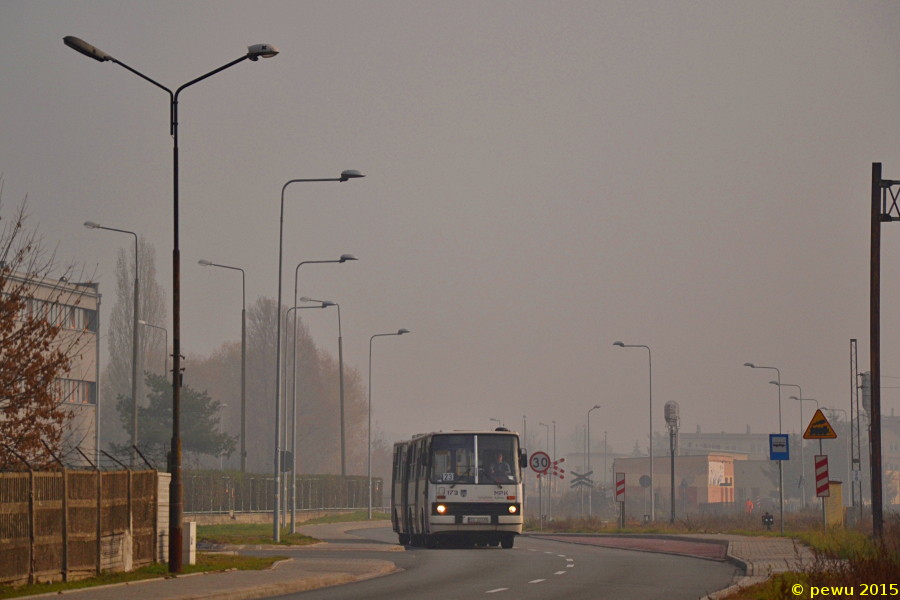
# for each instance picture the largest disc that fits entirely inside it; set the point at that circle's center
(880, 212)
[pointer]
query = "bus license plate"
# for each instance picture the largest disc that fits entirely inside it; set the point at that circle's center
(486, 520)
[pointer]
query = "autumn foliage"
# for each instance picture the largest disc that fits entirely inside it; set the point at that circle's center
(33, 351)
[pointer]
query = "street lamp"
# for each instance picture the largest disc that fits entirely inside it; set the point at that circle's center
(369, 462)
(293, 485)
(345, 176)
(591, 489)
(849, 424)
(802, 461)
(134, 337)
(165, 343)
(650, 365)
(499, 424)
(206, 263)
(340, 376)
(780, 462)
(176, 488)
(344, 258)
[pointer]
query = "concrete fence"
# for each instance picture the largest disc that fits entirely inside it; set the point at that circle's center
(68, 525)
(225, 492)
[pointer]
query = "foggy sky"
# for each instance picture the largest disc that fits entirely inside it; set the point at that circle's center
(542, 179)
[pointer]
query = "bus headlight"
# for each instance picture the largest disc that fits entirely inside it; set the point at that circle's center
(512, 509)
(441, 509)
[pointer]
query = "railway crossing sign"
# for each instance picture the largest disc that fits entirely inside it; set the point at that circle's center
(582, 480)
(819, 428)
(539, 462)
(620, 487)
(822, 488)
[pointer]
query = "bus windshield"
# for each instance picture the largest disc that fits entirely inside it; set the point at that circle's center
(498, 459)
(454, 459)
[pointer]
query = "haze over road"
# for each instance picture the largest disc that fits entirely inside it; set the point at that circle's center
(535, 569)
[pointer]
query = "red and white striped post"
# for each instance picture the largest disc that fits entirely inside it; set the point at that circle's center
(822, 487)
(620, 496)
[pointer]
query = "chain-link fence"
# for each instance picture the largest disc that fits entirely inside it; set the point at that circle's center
(223, 492)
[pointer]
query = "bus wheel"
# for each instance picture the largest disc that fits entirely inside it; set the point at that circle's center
(508, 541)
(404, 539)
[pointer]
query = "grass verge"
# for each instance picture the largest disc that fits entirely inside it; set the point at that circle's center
(205, 563)
(250, 534)
(360, 515)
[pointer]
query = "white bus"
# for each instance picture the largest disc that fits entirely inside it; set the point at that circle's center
(458, 487)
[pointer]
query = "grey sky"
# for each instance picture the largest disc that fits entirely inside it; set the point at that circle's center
(542, 180)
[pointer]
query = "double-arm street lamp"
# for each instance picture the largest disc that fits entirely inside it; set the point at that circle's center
(369, 461)
(176, 490)
(802, 461)
(345, 176)
(780, 462)
(650, 443)
(206, 263)
(134, 336)
(340, 377)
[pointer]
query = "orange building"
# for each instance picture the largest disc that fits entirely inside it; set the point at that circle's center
(699, 479)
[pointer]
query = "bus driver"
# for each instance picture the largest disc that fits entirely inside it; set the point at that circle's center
(499, 469)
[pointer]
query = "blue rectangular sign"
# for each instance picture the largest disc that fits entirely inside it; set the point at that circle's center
(778, 447)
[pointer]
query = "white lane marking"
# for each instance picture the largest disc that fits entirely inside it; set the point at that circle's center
(570, 559)
(537, 581)
(569, 566)
(548, 552)
(560, 573)
(561, 555)
(497, 590)
(532, 550)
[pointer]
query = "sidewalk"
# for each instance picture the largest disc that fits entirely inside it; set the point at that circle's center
(296, 574)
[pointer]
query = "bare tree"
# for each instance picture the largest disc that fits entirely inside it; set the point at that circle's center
(38, 340)
(116, 378)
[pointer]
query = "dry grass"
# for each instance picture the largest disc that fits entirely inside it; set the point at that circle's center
(843, 559)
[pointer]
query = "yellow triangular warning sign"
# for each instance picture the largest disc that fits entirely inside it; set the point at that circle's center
(819, 428)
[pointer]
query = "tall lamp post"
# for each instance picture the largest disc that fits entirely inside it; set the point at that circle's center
(369, 462)
(499, 424)
(293, 486)
(344, 258)
(802, 461)
(206, 263)
(134, 336)
(165, 343)
(846, 417)
(345, 176)
(591, 489)
(650, 365)
(176, 489)
(340, 377)
(780, 462)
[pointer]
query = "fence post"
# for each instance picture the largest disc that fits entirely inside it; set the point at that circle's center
(30, 526)
(155, 513)
(99, 516)
(65, 524)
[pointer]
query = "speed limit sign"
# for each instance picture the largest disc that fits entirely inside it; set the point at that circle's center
(540, 462)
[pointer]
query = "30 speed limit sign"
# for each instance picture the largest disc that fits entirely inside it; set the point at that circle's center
(540, 462)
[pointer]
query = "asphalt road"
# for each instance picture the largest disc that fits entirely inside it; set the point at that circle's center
(534, 569)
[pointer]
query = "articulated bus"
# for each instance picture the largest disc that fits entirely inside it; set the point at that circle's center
(461, 487)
